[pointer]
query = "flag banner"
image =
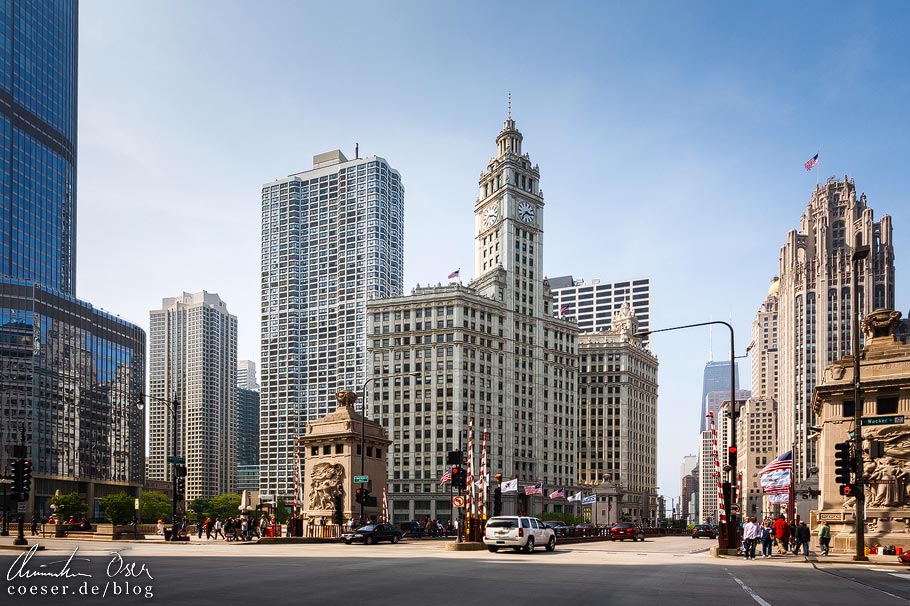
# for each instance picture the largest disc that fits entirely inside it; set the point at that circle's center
(563, 309)
(778, 499)
(535, 489)
(784, 461)
(559, 493)
(575, 497)
(446, 477)
(510, 486)
(455, 273)
(811, 162)
(589, 500)
(385, 506)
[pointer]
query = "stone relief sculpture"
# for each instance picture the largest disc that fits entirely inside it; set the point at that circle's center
(327, 483)
(886, 466)
(346, 398)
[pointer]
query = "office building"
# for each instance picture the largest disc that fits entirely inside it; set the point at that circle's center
(765, 371)
(332, 239)
(756, 446)
(617, 415)
(592, 305)
(247, 426)
(708, 471)
(716, 378)
(193, 363)
(490, 351)
(246, 375)
(815, 299)
(73, 374)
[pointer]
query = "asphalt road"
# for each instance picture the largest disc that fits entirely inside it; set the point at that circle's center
(667, 570)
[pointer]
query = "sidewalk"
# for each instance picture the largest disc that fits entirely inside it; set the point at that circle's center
(815, 557)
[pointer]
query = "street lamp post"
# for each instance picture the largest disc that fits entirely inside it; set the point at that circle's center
(173, 411)
(730, 526)
(859, 253)
(363, 408)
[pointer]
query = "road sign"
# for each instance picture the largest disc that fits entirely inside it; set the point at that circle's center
(178, 460)
(896, 420)
(458, 501)
(361, 479)
(734, 508)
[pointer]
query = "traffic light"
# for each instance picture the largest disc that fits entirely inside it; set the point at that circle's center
(26, 482)
(338, 516)
(457, 477)
(497, 501)
(15, 468)
(848, 490)
(358, 495)
(180, 470)
(843, 463)
(367, 499)
(731, 457)
(181, 486)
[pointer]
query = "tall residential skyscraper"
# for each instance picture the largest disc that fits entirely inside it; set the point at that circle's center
(193, 361)
(592, 305)
(38, 80)
(617, 415)
(815, 298)
(716, 378)
(246, 375)
(72, 374)
(490, 351)
(765, 372)
(332, 239)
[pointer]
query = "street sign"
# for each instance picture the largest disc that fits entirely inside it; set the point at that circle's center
(458, 501)
(178, 460)
(895, 420)
(361, 479)
(22, 507)
(734, 508)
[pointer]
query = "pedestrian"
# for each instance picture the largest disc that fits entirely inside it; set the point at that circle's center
(824, 537)
(35, 522)
(750, 536)
(159, 529)
(218, 528)
(199, 526)
(802, 539)
(782, 535)
(209, 526)
(765, 536)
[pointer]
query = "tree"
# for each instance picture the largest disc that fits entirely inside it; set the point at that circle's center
(154, 506)
(66, 505)
(281, 511)
(120, 508)
(225, 505)
(202, 507)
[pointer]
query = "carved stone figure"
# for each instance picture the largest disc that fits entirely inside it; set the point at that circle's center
(885, 481)
(327, 483)
(346, 398)
(881, 323)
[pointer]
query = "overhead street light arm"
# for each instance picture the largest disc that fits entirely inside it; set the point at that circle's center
(173, 410)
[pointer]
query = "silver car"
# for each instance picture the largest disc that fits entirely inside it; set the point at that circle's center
(521, 533)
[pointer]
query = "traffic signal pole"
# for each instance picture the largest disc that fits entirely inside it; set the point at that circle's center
(859, 253)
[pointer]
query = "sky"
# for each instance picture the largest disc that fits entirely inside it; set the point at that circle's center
(670, 136)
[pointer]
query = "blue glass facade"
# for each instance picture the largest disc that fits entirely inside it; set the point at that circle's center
(38, 113)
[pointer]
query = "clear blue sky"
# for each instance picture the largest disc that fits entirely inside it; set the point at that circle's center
(670, 138)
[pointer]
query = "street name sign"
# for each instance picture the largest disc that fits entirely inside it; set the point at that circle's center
(361, 479)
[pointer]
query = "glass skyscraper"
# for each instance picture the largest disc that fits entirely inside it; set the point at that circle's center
(71, 376)
(38, 81)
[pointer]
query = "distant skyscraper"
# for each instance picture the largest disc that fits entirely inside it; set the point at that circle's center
(592, 305)
(765, 374)
(38, 84)
(72, 375)
(332, 239)
(815, 296)
(490, 350)
(246, 375)
(716, 378)
(193, 360)
(707, 481)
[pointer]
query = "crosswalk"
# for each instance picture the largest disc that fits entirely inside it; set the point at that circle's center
(890, 571)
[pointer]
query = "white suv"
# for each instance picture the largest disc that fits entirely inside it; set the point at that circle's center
(518, 532)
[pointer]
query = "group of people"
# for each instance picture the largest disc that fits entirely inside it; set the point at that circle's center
(789, 537)
(431, 528)
(239, 528)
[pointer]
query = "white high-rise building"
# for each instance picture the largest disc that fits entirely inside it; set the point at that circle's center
(332, 239)
(246, 375)
(816, 299)
(592, 305)
(707, 481)
(193, 362)
(490, 351)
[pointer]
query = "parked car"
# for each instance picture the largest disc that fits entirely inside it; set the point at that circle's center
(518, 532)
(626, 530)
(372, 533)
(703, 530)
(560, 528)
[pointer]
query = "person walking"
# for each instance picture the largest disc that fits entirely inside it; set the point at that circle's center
(218, 528)
(802, 539)
(199, 526)
(824, 537)
(782, 535)
(750, 537)
(159, 529)
(766, 535)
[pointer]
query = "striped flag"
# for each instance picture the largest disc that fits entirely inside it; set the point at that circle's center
(811, 162)
(575, 497)
(455, 273)
(446, 477)
(776, 478)
(563, 309)
(559, 493)
(589, 500)
(535, 489)
(385, 506)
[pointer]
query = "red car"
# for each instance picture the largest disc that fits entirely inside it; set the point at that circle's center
(626, 530)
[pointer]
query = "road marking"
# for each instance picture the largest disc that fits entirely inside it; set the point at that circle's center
(900, 576)
(748, 590)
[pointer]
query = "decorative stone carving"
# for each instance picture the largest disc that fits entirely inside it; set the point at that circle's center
(887, 476)
(327, 483)
(346, 398)
(881, 323)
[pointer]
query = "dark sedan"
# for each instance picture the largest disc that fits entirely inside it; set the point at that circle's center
(703, 530)
(372, 533)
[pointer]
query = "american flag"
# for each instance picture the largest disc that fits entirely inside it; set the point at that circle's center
(811, 162)
(446, 477)
(455, 273)
(536, 489)
(563, 309)
(559, 493)
(776, 477)
(784, 461)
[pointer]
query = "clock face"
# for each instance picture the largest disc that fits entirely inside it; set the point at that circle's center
(490, 216)
(526, 212)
